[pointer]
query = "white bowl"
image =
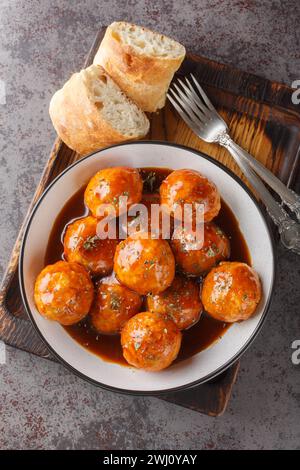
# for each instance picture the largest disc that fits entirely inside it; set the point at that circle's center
(204, 365)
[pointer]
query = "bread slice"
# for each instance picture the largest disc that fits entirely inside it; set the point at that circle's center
(91, 112)
(141, 62)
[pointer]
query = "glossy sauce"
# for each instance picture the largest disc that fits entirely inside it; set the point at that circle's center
(108, 347)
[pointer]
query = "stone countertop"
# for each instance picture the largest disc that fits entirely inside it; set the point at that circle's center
(43, 405)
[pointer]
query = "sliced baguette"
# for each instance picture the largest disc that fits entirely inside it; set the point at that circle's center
(141, 62)
(91, 112)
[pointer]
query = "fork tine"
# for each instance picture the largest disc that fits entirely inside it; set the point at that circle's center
(201, 115)
(203, 95)
(183, 115)
(193, 95)
(179, 110)
(190, 104)
(186, 106)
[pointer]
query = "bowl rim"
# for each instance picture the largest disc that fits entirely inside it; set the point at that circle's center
(189, 385)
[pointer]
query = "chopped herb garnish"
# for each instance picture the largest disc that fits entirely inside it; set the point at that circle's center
(115, 302)
(137, 346)
(91, 242)
(149, 263)
(114, 200)
(210, 252)
(172, 305)
(77, 239)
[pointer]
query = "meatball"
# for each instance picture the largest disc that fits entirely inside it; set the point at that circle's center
(197, 257)
(190, 187)
(161, 228)
(150, 341)
(82, 245)
(143, 264)
(181, 302)
(231, 292)
(113, 306)
(64, 292)
(108, 185)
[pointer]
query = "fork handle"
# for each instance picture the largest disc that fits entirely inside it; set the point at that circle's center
(289, 197)
(289, 229)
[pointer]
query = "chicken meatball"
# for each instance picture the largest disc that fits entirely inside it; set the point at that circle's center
(150, 341)
(82, 245)
(64, 292)
(181, 302)
(143, 264)
(190, 187)
(113, 306)
(231, 292)
(197, 257)
(108, 185)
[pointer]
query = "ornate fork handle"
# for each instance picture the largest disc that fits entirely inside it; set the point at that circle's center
(289, 229)
(289, 197)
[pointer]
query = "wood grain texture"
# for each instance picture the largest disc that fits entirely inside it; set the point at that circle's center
(261, 118)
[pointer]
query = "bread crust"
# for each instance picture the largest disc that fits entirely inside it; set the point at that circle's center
(144, 78)
(77, 119)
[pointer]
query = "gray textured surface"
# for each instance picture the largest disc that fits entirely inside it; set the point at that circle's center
(41, 404)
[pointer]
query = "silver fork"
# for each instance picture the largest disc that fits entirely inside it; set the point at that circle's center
(197, 111)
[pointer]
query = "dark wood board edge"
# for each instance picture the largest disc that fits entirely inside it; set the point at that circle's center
(208, 396)
(249, 85)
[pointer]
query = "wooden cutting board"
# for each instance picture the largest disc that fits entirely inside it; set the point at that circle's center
(262, 119)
